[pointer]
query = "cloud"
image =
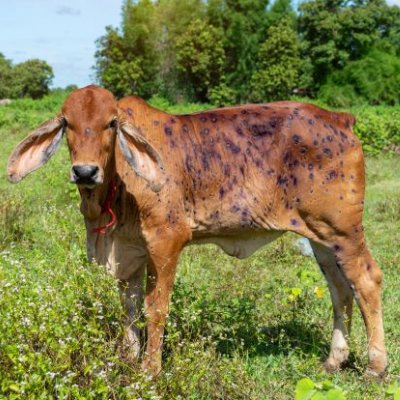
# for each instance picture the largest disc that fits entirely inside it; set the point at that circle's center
(66, 10)
(393, 2)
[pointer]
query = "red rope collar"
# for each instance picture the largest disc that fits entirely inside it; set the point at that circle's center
(106, 208)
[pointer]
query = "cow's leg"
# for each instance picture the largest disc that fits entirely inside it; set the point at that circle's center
(365, 278)
(131, 292)
(163, 258)
(342, 300)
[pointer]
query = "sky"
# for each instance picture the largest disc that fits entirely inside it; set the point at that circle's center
(61, 32)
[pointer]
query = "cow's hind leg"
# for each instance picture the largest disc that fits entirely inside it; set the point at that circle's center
(131, 292)
(365, 278)
(342, 300)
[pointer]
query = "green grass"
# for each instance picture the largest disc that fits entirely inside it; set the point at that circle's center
(238, 329)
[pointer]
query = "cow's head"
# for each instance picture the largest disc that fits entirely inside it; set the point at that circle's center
(90, 120)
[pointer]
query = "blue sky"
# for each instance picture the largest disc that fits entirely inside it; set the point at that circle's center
(61, 32)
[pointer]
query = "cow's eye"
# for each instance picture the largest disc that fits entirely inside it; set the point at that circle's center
(113, 124)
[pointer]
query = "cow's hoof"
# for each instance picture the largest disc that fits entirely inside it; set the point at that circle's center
(331, 366)
(377, 365)
(151, 367)
(375, 374)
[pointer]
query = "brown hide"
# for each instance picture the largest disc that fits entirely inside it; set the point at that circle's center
(238, 177)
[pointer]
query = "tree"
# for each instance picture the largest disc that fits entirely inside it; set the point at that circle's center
(280, 65)
(374, 79)
(200, 57)
(31, 78)
(336, 32)
(5, 77)
(127, 63)
(244, 23)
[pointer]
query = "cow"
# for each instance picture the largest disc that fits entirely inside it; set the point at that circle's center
(152, 183)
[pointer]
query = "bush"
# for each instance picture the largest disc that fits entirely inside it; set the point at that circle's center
(378, 128)
(375, 79)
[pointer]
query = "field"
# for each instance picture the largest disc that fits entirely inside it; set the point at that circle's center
(238, 329)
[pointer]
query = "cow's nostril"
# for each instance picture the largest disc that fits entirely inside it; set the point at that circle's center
(85, 171)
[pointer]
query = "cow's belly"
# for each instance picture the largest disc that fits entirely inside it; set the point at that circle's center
(242, 245)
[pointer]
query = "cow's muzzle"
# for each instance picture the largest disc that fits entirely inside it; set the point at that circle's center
(86, 175)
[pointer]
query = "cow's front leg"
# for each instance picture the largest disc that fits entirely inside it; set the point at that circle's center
(163, 258)
(131, 291)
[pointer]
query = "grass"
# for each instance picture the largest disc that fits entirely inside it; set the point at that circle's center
(238, 329)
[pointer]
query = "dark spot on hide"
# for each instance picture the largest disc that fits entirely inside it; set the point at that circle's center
(214, 215)
(227, 170)
(189, 163)
(343, 136)
(260, 130)
(129, 111)
(282, 180)
(296, 139)
(239, 131)
(204, 160)
(168, 131)
(303, 149)
(294, 222)
(221, 192)
(327, 152)
(232, 147)
(206, 131)
(235, 208)
(331, 175)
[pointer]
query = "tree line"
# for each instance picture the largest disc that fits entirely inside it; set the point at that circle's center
(229, 51)
(31, 78)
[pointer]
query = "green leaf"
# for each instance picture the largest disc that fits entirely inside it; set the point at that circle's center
(305, 389)
(335, 394)
(14, 388)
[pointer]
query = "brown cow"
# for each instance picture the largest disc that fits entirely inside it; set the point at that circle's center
(238, 177)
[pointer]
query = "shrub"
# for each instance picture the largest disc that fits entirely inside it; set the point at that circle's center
(374, 79)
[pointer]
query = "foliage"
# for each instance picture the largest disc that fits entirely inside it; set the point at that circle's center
(222, 95)
(393, 391)
(5, 77)
(215, 50)
(336, 32)
(244, 23)
(200, 57)
(374, 79)
(306, 389)
(280, 64)
(127, 62)
(31, 78)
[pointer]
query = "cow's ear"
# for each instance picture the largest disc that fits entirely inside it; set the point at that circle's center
(36, 149)
(141, 156)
